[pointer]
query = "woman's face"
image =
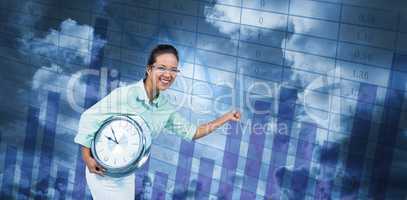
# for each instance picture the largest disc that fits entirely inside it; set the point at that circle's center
(163, 71)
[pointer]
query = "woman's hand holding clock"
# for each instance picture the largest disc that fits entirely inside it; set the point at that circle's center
(91, 163)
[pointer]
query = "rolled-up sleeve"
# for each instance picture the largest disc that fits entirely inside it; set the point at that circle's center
(180, 126)
(93, 117)
(89, 123)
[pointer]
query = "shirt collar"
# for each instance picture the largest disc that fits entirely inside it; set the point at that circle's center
(142, 95)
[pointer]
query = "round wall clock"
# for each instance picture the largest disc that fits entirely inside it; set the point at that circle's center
(122, 144)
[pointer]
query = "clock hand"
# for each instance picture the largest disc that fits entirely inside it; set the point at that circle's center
(111, 139)
(114, 135)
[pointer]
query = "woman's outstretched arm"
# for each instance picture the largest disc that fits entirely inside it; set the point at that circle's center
(205, 129)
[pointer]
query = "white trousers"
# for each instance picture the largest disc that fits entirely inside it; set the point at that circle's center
(108, 188)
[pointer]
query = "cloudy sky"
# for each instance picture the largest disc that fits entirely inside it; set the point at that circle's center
(59, 50)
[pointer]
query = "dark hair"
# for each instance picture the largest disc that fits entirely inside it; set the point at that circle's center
(159, 50)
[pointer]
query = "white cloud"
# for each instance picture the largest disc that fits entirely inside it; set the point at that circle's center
(228, 18)
(71, 43)
(219, 14)
(48, 75)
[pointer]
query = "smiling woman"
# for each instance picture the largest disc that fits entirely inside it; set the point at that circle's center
(163, 58)
(141, 99)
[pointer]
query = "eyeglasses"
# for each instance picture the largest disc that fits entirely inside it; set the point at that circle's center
(162, 69)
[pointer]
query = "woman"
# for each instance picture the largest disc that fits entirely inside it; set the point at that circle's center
(142, 98)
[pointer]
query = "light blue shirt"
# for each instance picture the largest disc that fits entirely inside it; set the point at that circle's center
(132, 99)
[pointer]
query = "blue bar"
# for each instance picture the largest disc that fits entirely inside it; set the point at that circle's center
(203, 187)
(28, 153)
(141, 176)
(303, 157)
(381, 167)
(160, 186)
(255, 149)
(47, 147)
(61, 182)
(328, 159)
(230, 160)
(183, 169)
(286, 109)
(358, 140)
(9, 172)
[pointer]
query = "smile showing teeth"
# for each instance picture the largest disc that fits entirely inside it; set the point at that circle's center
(164, 81)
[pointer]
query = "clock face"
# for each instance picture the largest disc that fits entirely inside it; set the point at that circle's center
(118, 143)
